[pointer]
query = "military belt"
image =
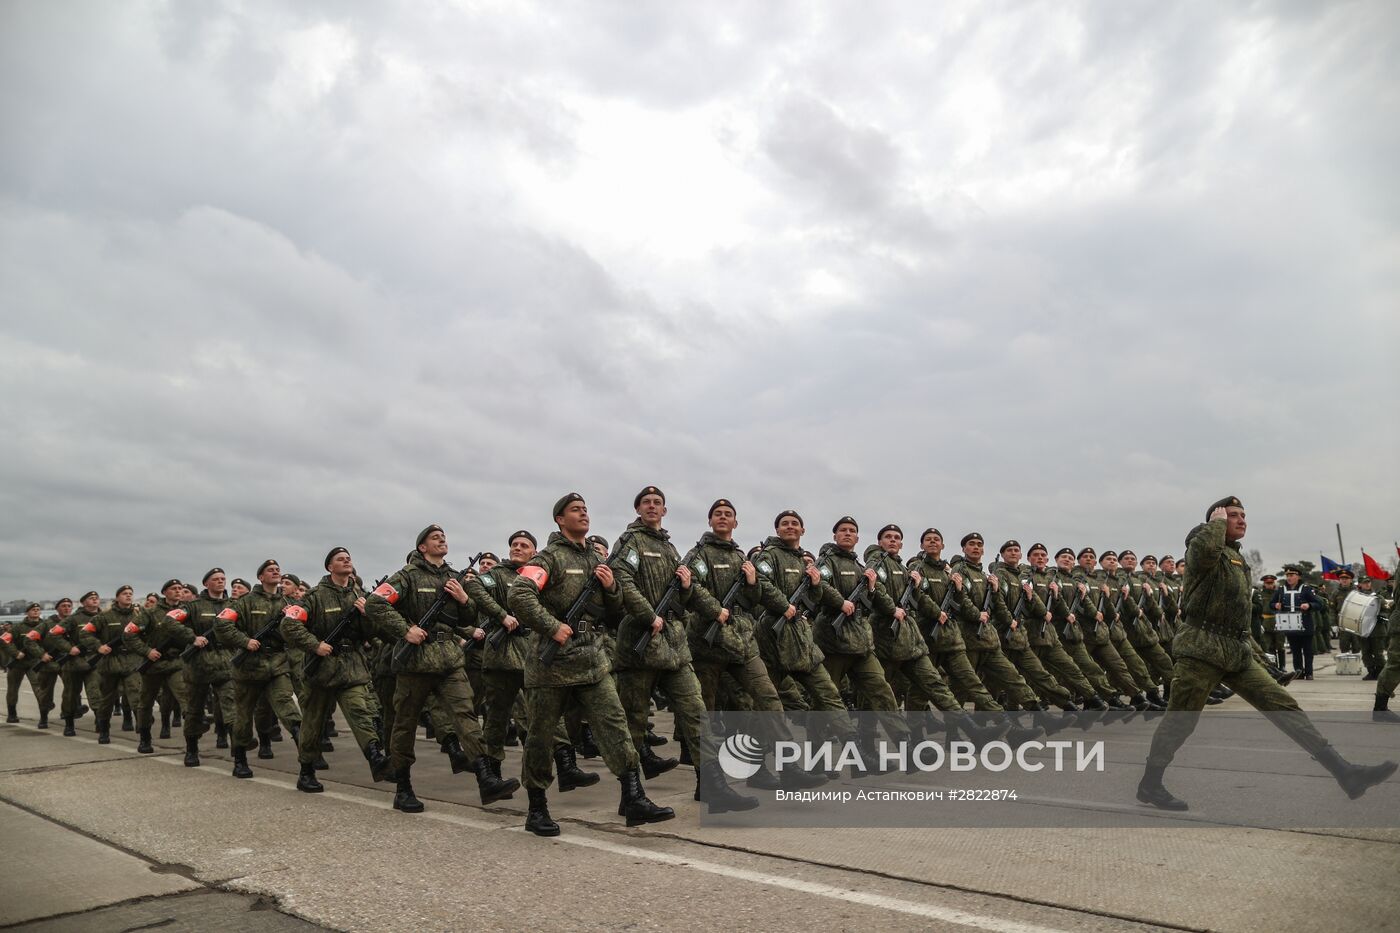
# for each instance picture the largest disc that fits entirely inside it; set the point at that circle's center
(1226, 629)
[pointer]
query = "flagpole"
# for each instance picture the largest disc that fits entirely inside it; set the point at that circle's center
(1341, 546)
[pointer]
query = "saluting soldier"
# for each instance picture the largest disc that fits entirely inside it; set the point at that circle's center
(1214, 647)
(249, 627)
(577, 670)
(647, 565)
(433, 668)
(102, 638)
(329, 624)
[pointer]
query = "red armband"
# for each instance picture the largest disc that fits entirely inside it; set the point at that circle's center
(177, 615)
(56, 630)
(386, 592)
(90, 629)
(228, 615)
(535, 574)
(7, 638)
(132, 629)
(33, 634)
(297, 613)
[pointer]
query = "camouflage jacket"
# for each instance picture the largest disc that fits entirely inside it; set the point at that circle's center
(715, 565)
(933, 592)
(841, 574)
(1215, 601)
(1096, 632)
(210, 664)
(892, 579)
(106, 627)
(245, 617)
(646, 566)
(540, 597)
(781, 570)
(1011, 608)
(310, 621)
(1139, 610)
(403, 600)
(165, 628)
(1061, 605)
(28, 645)
(488, 593)
(62, 636)
(976, 635)
(1040, 630)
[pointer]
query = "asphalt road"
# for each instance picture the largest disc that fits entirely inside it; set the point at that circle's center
(98, 837)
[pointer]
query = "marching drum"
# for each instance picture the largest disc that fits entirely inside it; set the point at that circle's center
(1359, 614)
(1286, 622)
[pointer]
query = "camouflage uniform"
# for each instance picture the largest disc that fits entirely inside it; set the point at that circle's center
(1373, 645)
(1045, 639)
(900, 646)
(1141, 616)
(264, 672)
(944, 639)
(983, 643)
(208, 671)
(162, 628)
(59, 640)
(850, 650)
(540, 597)
(1011, 625)
(116, 672)
(1070, 629)
(24, 641)
(341, 679)
(433, 669)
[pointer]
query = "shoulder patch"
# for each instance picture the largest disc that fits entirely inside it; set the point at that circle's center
(826, 571)
(881, 573)
(632, 558)
(765, 568)
(700, 567)
(487, 580)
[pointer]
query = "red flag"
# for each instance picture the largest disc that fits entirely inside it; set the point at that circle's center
(1373, 569)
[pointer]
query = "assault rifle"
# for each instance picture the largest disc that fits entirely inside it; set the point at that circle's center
(799, 599)
(712, 633)
(860, 597)
(574, 616)
(313, 663)
(114, 644)
(662, 607)
(241, 655)
(405, 648)
(944, 608)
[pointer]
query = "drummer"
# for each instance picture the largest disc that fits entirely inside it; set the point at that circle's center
(1297, 596)
(1372, 645)
(1347, 640)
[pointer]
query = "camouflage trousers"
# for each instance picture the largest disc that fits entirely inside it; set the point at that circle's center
(604, 711)
(967, 687)
(43, 683)
(1192, 682)
(356, 705)
(1390, 674)
(196, 724)
(1001, 677)
(1096, 676)
(383, 692)
(752, 676)
(1114, 667)
(155, 686)
(453, 694)
(1373, 654)
(682, 689)
(109, 686)
(872, 688)
(74, 676)
(246, 694)
(1037, 677)
(823, 695)
(1158, 662)
(1141, 675)
(15, 676)
(926, 685)
(504, 690)
(1064, 668)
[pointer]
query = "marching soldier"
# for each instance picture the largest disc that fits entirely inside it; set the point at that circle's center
(577, 670)
(647, 565)
(1373, 645)
(1015, 601)
(1098, 635)
(61, 641)
(329, 624)
(433, 667)
(103, 638)
(157, 635)
(939, 618)
(1140, 617)
(1214, 647)
(208, 673)
(975, 606)
(1044, 637)
(248, 626)
(1066, 607)
(24, 654)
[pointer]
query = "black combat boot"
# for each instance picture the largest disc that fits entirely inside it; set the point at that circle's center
(11, 715)
(452, 747)
(43, 719)
(165, 723)
(127, 724)
(1150, 791)
(978, 735)
(653, 765)
(1095, 704)
(404, 798)
(1285, 679)
(1018, 735)
(1354, 779)
(1157, 697)
(1381, 712)
(82, 711)
(143, 742)
(490, 783)
(221, 736)
(428, 731)
(538, 820)
(264, 745)
(307, 783)
(653, 740)
(330, 731)
(104, 732)
(512, 735)
(719, 797)
(68, 728)
(240, 764)
(326, 744)
(320, 763)
(587, 748)
(763, 779)
(685, 758)
(635, 805)
(378, 761)
(176, 718)
(191, 753)
(276, 732)
(570, 774)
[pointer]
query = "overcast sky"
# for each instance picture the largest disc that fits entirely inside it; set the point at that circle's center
(278, 277)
